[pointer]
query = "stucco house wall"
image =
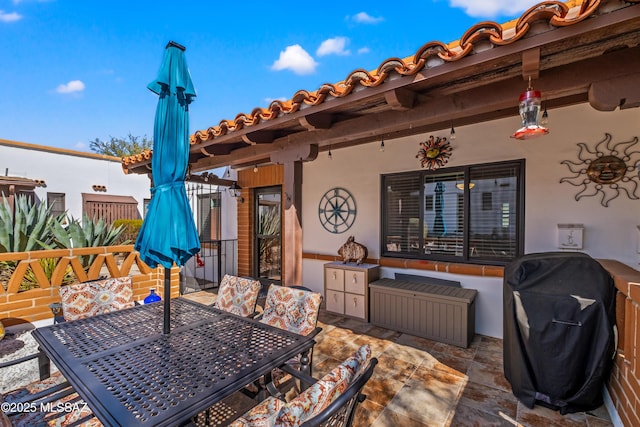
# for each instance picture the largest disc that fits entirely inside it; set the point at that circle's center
(71, 172)
(609, 232)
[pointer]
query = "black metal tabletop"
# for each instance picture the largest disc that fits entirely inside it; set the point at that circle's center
(131, 374)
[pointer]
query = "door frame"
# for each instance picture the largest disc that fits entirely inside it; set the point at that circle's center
(257, 192)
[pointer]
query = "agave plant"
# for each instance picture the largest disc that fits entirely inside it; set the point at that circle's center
(26, 227)
(48, 266)
(85, 234)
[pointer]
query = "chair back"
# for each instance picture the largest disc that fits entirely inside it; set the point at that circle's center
(329, 402)
(315, 401)
(238, 295)
(292, 309)
(87, 299)
(341, 411)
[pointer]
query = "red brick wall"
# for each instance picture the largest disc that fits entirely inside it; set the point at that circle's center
(624, 384)
(265, 176)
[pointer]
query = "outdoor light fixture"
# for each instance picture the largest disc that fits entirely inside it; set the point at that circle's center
(530, 102)
(235, 191)
(545, 116)
(227, 173)
(255, 168)
(460, 186)
(382, 145)
(329, 154)
(452, 134)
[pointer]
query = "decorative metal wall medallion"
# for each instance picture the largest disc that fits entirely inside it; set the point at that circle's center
(337, 210)
(434, 152)
(606, 171)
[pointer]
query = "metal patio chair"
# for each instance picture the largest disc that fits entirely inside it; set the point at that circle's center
(49, 391)
(295, 309)
(78, 301)
(328, 402)
(238, 295)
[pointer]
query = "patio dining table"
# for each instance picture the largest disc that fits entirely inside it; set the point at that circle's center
(131, 374)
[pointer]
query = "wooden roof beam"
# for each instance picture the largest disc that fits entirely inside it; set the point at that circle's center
(259, 137)
(316, 121)
(400, 99)
(301, 152)
(531, 64)
(623, 92)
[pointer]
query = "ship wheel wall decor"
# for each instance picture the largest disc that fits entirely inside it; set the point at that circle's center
(607, 170)
(434, 152)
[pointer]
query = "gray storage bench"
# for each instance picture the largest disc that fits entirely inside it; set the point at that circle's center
(437, 312)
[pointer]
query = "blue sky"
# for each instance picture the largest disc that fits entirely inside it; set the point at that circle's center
(77, 70)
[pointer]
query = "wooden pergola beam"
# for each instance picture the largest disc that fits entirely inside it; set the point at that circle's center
(316, 121)
(400, 99)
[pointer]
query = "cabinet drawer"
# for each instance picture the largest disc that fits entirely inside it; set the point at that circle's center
(354, 282)
(354, 305)
(334, 278)
(335, 301)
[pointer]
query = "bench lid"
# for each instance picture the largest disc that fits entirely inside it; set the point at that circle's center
(442, 291)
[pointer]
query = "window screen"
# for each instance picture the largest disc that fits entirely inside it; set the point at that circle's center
(56, 201)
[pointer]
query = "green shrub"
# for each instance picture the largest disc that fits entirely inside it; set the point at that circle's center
(130, 231)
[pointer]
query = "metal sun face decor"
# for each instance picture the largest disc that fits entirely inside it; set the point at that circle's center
(606, 171)
(434, 152)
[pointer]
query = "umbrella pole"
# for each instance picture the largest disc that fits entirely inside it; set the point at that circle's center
(167, 301)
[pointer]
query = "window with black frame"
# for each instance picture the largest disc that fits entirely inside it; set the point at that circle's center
(467, 214)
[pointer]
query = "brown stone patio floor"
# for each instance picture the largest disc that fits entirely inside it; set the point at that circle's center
(419, 382)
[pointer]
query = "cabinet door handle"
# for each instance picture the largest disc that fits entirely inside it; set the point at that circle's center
(335, 297)
(334, 276)
(355, 301)
(355, 278)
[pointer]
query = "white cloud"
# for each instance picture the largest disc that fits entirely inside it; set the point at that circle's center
(9, 17)
(365, 18)
(364, 50)
(270, 100)
(296, 59)
(71, 87)
(492, 8)
(334, 46)
(80, 145)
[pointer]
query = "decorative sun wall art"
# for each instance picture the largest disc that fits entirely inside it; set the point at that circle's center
(607, 170)
(434, 152)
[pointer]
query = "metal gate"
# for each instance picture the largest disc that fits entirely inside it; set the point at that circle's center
(217, 256)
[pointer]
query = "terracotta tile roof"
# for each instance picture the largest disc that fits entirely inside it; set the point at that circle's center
(431, 54)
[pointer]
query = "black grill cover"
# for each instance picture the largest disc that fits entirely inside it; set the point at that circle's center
(559, 340)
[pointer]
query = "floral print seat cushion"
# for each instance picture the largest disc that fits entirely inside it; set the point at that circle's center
(294, 310)
(87, 299)
(238, 295)
(291, 309)
(262, 415)
(273, 412)
(68, 410)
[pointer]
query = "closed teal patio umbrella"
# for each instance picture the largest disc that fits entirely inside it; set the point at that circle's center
(168, 234)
